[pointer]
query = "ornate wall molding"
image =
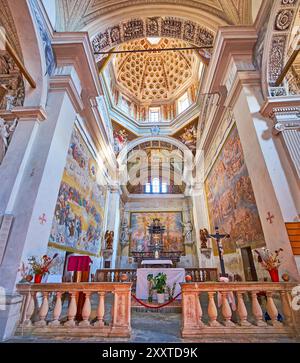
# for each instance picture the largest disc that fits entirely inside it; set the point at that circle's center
(170, 27)
(282, 17)
(285, 114)
(77, 14)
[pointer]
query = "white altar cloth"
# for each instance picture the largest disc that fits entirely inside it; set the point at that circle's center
(173, 275)
(157, 262)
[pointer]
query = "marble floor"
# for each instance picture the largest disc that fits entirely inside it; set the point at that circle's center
(155, 328)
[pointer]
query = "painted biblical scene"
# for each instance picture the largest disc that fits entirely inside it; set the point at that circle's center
(230, 198)
(79, 212)
(140, 238)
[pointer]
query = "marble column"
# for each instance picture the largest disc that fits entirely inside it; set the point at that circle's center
(30, 176)
(205, 258)
(113, 221)
(263, 159)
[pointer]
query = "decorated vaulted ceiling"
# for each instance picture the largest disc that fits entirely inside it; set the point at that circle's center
(76, 14)
(155, 77)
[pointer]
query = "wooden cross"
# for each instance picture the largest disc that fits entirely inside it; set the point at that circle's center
(270, 217)
(42, 218)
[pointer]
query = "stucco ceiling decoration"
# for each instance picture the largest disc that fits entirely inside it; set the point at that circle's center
(77, 14)
(138, 28)
(153, 77)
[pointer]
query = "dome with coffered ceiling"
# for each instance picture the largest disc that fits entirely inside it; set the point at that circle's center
(155, 77)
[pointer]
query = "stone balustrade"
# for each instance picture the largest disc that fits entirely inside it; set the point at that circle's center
(37, 319)
(258, 308)
(202, 274)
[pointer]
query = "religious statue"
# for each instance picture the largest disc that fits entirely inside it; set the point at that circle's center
(6, 131)
(125, 232)
(156, 231)
(203, 237)
(109, 238)
(188, 229)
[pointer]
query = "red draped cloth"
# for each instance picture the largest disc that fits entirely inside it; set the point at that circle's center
(81, 267)
(79, 263)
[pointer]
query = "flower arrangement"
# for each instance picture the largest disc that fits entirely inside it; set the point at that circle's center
(171, 291)
(269, 260)
(41, 267)
(25, 273)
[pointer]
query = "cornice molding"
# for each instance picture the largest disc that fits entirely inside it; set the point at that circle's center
(66, 83)
(25, 114)
(231, 42)
(285, 104)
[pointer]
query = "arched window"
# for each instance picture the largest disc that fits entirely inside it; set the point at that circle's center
(156, 187)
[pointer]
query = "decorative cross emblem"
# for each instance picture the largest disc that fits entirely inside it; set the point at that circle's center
(270, 217)
(43, 218)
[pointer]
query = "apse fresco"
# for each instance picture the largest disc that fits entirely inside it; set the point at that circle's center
(230, 198)
(172, 238)
(78, 217)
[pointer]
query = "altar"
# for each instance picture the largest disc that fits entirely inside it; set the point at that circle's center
(157, 263)
(176, 275)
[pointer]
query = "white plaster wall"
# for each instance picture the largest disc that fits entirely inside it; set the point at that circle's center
(256, 4)
(50, 7)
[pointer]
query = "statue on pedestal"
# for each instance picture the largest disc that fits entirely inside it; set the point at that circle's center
(188, 235)
(203, 237)
(109, 239)
(125, 232)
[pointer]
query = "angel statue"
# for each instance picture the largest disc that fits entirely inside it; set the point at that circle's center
(188, 229)
(125, 232)
(203, 237)
(6, 131)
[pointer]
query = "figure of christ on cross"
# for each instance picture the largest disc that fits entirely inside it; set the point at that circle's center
(218, 237)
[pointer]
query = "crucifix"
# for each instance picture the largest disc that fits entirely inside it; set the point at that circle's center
(217, 236)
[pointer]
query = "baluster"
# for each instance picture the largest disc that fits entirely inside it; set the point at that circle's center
(29, 309)
(272, 309)
(242, 310)
(256, 310)
(43, 311)
(286, 307)
(56, 311)
(100, 310)
(72, 311)
(86, 311)
(226, 309)
(212, 310)
(200, 312)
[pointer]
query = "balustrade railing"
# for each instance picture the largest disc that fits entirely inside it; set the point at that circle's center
(38, 318)
(115, 275)
(239, 308)
(202, 274)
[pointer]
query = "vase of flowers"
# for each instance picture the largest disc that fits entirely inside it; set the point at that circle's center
(270, 261)
(40, 267)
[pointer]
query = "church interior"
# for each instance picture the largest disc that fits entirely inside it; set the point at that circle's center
(150, 170)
